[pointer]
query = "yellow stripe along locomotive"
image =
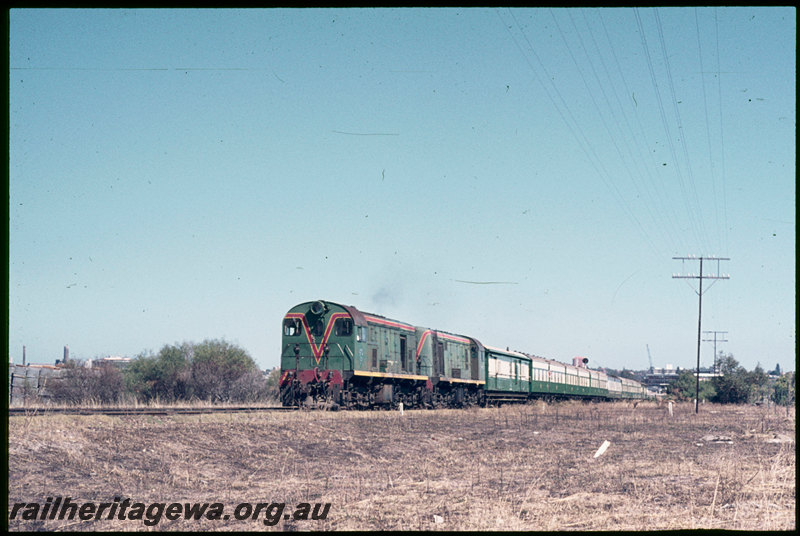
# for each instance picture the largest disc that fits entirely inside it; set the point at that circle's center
(338, 356)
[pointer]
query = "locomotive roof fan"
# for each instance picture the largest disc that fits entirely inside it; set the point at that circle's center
(318, 308)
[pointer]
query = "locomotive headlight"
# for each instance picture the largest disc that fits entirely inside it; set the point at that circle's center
(318, 308)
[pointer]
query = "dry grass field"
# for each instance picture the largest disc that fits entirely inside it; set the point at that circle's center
(528, 467)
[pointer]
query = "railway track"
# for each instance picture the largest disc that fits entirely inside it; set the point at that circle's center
(143, 410)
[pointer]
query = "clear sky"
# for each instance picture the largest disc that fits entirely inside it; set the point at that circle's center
(524, 177)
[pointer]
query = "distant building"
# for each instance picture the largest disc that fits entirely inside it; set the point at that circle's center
(113, 360)
(659, 378)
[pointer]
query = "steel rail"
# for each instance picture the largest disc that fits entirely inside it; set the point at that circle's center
(142, 410)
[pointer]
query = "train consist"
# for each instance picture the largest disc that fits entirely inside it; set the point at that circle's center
(338, 356)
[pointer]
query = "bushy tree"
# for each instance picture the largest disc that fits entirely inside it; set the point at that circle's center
(216, 368)
(784, 390)
(77, 384)
(213, 370)
(165, 376)
(685, 387)
(733, 386)
(273, 387)
(759, 384)
(250, 387)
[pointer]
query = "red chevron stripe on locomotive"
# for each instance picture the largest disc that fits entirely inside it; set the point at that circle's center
(318, 349)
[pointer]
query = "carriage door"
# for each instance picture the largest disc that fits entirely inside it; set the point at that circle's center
(403, 354)
(473, 362)
(372, 346)
(438, 359)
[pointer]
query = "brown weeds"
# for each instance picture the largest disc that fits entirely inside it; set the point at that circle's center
(524, 467)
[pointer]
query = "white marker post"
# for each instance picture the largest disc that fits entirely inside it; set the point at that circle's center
(602, 449)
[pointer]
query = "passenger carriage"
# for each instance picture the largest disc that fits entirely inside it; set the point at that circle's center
(508, 375)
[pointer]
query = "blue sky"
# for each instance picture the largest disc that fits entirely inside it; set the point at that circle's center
(521, 176)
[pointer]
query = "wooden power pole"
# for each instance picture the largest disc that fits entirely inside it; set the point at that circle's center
(700, 276)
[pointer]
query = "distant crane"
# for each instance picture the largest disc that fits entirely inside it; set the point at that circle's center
(649, 358)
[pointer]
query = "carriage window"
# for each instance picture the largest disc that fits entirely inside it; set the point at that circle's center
(292, 327)
(361, 333)
(343, 327)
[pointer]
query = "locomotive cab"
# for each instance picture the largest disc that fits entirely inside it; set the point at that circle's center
(320, 341)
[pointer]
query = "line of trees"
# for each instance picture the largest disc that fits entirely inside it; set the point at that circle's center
(212, 371)
(737, 385)
(217, 371)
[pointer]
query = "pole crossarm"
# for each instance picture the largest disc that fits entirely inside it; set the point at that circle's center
(701, 275)
(715, 340)
(706, 276)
